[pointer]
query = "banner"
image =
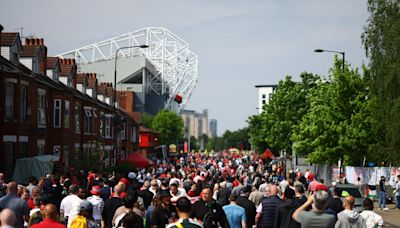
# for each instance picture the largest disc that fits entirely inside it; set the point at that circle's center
(371, 176)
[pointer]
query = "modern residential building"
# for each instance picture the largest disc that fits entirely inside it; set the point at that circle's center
(196, 124)
(213, 128)
(265, 92)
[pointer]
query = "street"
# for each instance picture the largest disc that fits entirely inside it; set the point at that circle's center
(391, 217)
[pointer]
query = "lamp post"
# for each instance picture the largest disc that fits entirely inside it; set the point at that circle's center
(115, 92)
(338, 52)
(343, 63)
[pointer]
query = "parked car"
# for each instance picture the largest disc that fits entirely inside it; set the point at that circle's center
(351, 189)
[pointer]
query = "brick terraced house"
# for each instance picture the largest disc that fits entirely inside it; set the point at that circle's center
(47, 108)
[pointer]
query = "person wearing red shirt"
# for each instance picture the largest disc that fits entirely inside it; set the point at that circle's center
(35, 193)
(50, 218)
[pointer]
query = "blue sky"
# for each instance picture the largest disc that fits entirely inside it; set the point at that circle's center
(240, 43)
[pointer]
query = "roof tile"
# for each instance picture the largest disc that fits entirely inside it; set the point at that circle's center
(8, 38)
(52, 62)
(29, 51)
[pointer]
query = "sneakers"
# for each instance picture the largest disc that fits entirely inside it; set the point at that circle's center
(385, 209)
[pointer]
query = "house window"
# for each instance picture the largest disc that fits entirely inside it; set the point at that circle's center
(66, 114)
(40, 147)
(76, 152)
(9, 157)
(77, 118)
(87, 121)
(41, 108)
(101, 127)
(93, 121)
(263, 101)
(57, 113)
(23, 103)
(9, 101)
(263, 96)
(108, 127)
(23, 149)
(133, 134)
(123, 137)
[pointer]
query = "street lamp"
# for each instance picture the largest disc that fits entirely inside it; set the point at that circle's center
(115, 91)
(338, 52)
(343, 56)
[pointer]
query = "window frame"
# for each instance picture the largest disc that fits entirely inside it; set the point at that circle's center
(9, 102)
(23, 114)
(77, 118)
(55, 114)
(67, 108)
(41, 107)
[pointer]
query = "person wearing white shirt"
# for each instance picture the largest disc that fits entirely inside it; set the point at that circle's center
(397, 192)
(372, 219)
(176, 193)
(97, 202)
(69, 207)
(154, 186)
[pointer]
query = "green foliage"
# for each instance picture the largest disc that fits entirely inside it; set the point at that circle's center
(147, 120)
(216, 144)
(169, 125)
(256, 133)
(381, 39)
(338, 122)
(275, 126)
(236, 139)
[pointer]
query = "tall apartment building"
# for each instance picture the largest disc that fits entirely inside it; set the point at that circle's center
(196, 124)
(213, 128)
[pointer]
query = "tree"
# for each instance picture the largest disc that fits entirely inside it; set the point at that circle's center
(147, 120)
(256, 133)
(337, 124)
(236, 139)
(382, 45)
(216, 144)
(203, 139)
(280, 117)
(169, 125)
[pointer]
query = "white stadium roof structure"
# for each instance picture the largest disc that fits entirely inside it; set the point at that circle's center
(175, 66)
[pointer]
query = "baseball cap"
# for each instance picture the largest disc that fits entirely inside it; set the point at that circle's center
(124, 180)
(95, 190)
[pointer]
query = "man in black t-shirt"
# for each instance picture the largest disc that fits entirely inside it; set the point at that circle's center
(249, 207)
(208, 209)
(111, 205)
(335, 203)
(146, 194)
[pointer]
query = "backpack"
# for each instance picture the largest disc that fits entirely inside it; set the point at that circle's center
(118, 220)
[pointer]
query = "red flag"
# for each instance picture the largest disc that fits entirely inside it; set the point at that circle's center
(267, 154)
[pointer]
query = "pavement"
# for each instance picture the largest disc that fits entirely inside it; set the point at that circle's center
(390, 217)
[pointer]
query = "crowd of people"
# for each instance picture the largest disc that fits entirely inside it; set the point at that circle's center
(199, 190)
